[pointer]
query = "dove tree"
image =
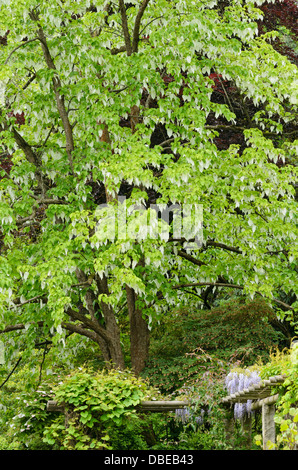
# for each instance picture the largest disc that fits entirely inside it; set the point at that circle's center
(149, 156)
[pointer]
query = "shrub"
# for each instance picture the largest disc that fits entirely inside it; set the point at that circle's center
(234, 331)
(94, 405)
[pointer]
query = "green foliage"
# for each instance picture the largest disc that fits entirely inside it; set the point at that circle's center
(159, 105)
(23, 409)
(97, 101)
(193, 342)
(286, 417)
(94, 403)
(278, 363)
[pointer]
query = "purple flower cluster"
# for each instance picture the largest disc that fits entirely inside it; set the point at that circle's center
(235, 382)
(185, 415)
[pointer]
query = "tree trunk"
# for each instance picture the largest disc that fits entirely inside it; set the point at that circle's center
(113, 344)
(139, 334)
(109, 342)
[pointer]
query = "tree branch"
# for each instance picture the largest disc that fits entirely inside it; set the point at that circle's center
(191, 258)
(32, 157)
(11, 372)
(87, 330)
(125, 28)
(59, 98)
(18, 326)
(74, 328)
(52, 201)
(18, 47)
(18, 302)
(232, 286)
(117, 50)
(216, 284)
(136, 30)
(31, 79)
(88, 323)
(223, 246)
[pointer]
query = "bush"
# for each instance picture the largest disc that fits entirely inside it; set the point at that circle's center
(96, 406)
(235, 331)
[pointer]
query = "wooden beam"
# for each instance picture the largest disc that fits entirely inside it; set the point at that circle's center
(256, 404)
(153, 406)
(160, 406)
(258, 391)
(53, 405)
(246, 424)
(265, 401)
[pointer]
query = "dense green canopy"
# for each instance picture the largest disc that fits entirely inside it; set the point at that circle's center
(104, 99)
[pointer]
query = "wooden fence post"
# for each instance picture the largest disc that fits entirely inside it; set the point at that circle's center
(246, 428)
(229, 427)
(268, 424)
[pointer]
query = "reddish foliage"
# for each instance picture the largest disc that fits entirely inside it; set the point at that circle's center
(5, 163)
(20, 117)
(217, 79)
(168, 78)
(282, 13)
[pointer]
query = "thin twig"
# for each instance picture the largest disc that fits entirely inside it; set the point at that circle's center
(45, 352)
(10, 374)
(18, 47)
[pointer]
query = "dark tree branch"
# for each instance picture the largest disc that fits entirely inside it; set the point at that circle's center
(24, 220)
(18, 47)
(223, 246)
(12, 371)
(149, 22)
(232, 286)
(125, 29)
(216, 284)
(88, 323)
(87, 329)
(81, 330)
(18, 302)
(59, 98)
(117, 50)
(31, 79)
(136, 30)
(32, 157)
(190, 258)
(52, 201)
(18, 326)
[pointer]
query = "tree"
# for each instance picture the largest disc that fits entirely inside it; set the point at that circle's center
(161, 101)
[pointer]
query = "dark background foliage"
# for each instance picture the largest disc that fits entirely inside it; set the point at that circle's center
(194, 341)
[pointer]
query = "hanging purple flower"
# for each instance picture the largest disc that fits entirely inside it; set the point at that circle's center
(236, 382)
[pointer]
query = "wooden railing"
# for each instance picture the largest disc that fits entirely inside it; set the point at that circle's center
(262, 398)
(153, 406)
(260, 394)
